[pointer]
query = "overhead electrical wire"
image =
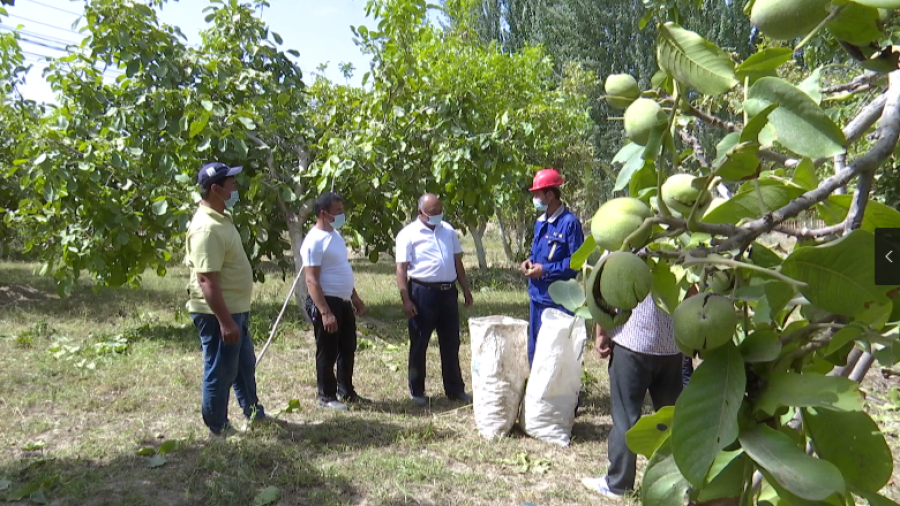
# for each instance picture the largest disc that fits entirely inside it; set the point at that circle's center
(51, 42)
(43, 64)
(43, 44)
(60, 9)
(114, 72)
(45, 24)
(42, 36)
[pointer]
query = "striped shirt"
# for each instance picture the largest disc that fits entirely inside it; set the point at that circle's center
(649, 331)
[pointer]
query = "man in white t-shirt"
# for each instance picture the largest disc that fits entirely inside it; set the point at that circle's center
(332, 303)
(429, 265)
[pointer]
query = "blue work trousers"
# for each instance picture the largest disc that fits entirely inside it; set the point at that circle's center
(534, 324)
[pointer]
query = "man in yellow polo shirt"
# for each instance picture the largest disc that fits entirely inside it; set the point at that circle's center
(220, 288)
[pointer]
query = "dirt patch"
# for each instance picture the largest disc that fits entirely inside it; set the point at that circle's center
(14, 294)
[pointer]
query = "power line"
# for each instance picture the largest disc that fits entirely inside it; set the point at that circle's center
(53, 7)
(43, 58)
(39, 36)
(38, 55)
(73, 31)
(45, 24)
(41, 44)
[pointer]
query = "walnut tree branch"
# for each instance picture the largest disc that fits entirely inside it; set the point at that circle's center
(691, 139)
(860, 200)
(865, 119)
(856, 82)
(840, 163)
(710, 119)
(816, 233)
(888, 134)
(724, 229)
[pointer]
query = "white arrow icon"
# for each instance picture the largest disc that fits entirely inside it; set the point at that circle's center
(888, 256)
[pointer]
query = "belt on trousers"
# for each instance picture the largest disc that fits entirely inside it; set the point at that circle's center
(435, 286)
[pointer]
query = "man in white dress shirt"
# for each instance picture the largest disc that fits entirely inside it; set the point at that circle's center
(332, 303)
(429, 265)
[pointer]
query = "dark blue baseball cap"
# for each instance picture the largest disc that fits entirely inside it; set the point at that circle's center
(215, 172)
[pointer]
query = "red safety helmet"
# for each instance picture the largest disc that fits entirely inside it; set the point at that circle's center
(546, 178)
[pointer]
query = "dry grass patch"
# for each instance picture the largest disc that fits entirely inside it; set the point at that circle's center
(74, 417)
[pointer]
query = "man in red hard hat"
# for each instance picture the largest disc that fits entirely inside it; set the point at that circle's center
(557, 235)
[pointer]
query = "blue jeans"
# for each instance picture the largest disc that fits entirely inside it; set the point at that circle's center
(226, 366)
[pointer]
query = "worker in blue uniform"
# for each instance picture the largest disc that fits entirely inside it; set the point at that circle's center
(557, 235)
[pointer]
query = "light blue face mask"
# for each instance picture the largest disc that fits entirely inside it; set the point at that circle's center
(339, 220)
(540, 206)
(232, 200)
(435, 220)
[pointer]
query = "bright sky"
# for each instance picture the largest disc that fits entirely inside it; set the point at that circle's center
(318, 29)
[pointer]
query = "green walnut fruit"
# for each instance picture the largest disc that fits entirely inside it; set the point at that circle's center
(616, 220)
(641, 116)
(704, 322)
(788, 19)
(621, 90)
(720, 281)
(604, 315)
(680, 191)
(625, 280)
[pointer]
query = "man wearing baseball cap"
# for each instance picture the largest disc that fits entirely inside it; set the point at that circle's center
(557, 235)
(220, 289)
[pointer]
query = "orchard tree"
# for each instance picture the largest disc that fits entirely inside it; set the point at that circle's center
(774, 413)
(16, 118)
(108, 175)
(608, 37)
(449, 114)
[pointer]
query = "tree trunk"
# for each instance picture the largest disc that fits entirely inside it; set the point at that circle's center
(294, 220)
(295, 223)
(504, 238)
(477, 232)
(523, 249)
(295, 230)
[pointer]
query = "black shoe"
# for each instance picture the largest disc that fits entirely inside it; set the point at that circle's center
(353, 398)
(464, 397)
(420, 401)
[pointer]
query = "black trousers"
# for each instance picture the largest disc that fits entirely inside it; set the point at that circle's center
(337, 348)
(687, 370)
(631, 376)
(437, 310)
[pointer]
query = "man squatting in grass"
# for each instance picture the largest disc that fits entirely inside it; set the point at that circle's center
(220, 290)
(429, 265)
(332, 303)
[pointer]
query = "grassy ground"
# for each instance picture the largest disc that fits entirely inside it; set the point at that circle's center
(89, 380)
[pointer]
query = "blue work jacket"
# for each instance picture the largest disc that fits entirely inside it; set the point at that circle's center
(556, 238)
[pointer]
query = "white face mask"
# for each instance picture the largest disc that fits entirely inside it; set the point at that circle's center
(435, 220)
(540, 206)
(339, 220)
(232, 200)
